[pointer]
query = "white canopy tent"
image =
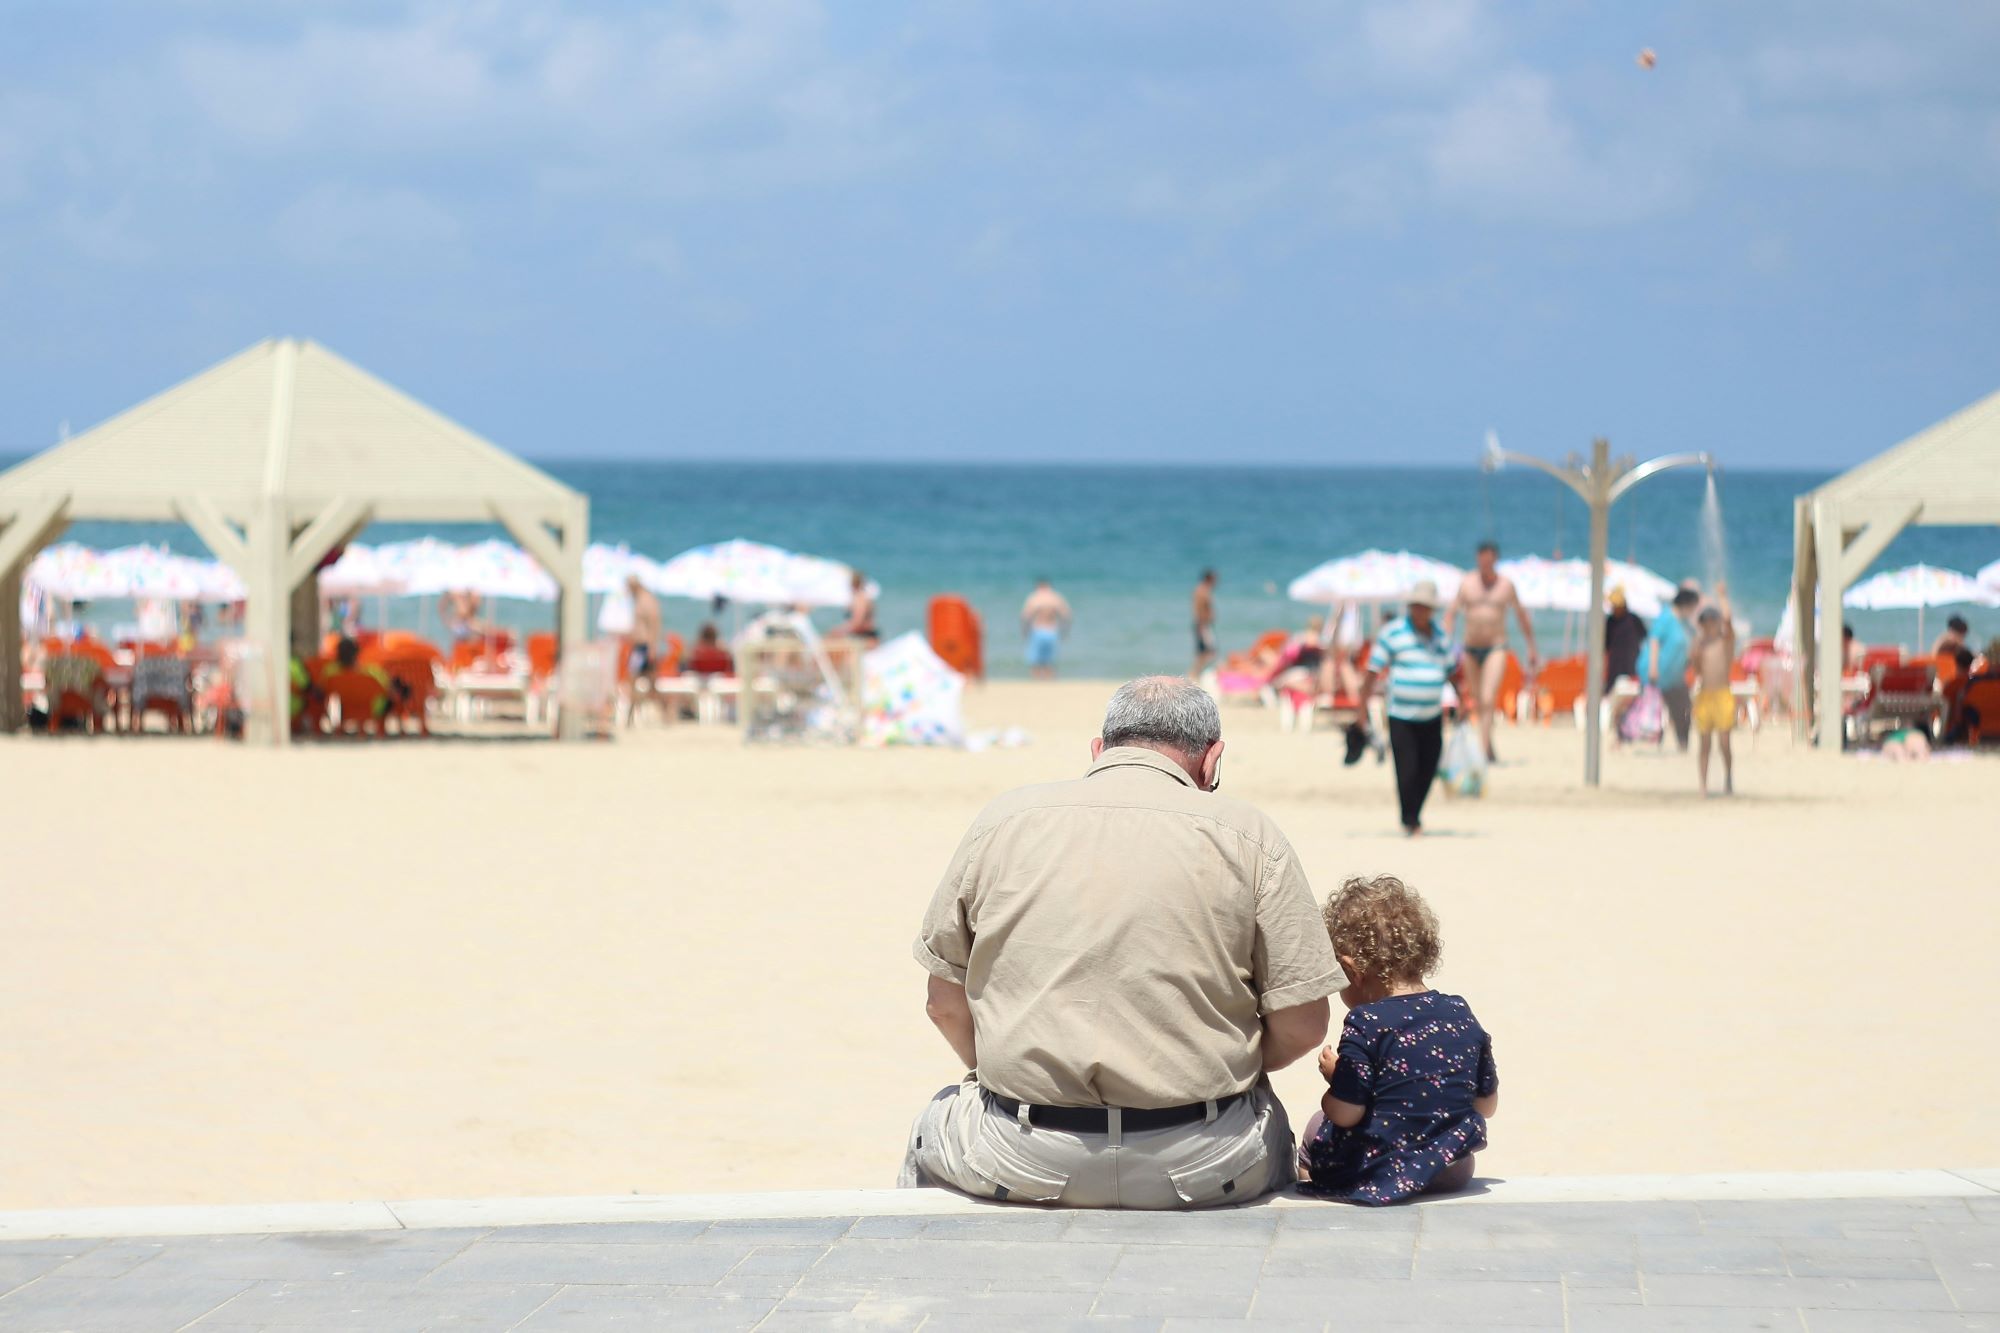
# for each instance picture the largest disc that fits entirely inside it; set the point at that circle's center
(1947, 475)
(274, 457)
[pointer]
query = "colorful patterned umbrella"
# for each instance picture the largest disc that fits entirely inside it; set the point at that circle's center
(1917, 586)
(606, 569)
(1989, 579)
(75, 573)
(747, 571)
(1564, 585)
(1373, 576)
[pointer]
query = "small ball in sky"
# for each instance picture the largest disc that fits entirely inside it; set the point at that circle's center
(1647, 59)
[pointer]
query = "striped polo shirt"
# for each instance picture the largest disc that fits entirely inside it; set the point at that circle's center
(1418, 666)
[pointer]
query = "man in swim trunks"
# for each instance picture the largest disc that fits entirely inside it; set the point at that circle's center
(1045, 618)
(649, 635)
(1484, 597)
(1204, 623)
(860, 622)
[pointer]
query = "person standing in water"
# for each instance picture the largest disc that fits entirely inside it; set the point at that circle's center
(1484, 598)
(1204, 623)
(1045, 618)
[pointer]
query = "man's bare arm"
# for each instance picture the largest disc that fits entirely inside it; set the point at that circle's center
(951, 1013)
(1291, 1033)
(1527, 624)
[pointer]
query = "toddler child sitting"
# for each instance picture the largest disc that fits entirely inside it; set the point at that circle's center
(1413, 1081)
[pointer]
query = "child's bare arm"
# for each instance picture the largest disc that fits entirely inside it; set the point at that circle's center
(1489, 1105)
(1344, 1114)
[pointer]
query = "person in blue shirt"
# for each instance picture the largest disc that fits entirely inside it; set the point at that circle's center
(1670, 638)
(1417, 660)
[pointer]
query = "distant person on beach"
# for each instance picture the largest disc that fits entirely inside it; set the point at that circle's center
(1204, 623)
(1624, 636)
(1953, 637)
(709, 657)
(1852, 651)
(1417, 660)
(1045, 618)
(1301, 661)
(1412, 1083)
(1485, 596)
(649, 635)
(460, 609)
(860, 622)
(1715, 700)
(1119, 959)
(1667, 669)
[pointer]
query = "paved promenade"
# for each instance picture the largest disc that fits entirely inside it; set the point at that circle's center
(1918, 1261)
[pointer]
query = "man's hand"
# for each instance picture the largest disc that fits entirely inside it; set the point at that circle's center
(1327, 1061)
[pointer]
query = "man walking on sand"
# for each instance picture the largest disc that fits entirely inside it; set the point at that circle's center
(1204, 623)
(1045, 618)
(1485, 596)
(1118, 959)
(1418, 660)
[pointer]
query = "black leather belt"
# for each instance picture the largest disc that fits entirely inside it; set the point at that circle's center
(1096, 1120)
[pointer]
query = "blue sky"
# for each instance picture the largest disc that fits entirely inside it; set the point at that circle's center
(1021, 229)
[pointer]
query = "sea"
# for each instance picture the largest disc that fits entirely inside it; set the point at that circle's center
(1125, 544)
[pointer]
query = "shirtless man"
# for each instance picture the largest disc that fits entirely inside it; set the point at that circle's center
(1484, 596)
(648, 635)
(1045, 619)
(860, 622)
(1204, 623)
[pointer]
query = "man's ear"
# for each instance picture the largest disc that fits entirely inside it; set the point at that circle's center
(1096, 747)
(1210, 763)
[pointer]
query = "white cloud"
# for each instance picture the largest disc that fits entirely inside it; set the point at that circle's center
(1426, 40)
(354, 224)
(1508, 152)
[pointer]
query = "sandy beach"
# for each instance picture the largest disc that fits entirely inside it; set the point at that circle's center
(675, 963)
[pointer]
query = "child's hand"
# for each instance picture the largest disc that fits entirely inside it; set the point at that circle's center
(1327, 1060)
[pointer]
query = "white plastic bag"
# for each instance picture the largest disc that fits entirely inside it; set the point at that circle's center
(1464, 766)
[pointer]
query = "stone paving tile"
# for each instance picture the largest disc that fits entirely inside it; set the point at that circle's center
(600, 1233)
(1236, 1265)
(778, 1261)
(1058, 1260)
(1523, 1256)
(1724, 1253)
(1251, 1227)
(1806, 1292)
(1341, 1254)
(380, 1307)
(1369, 1303)
(356, 1256)
(1642, 1319)
(1902, 1321)
(991, 1226)
(1581, 1290)
(1197, 1324)
(1154, 1300)
(16, 1269)
(677, 1308)
(1023, 1308)
(86, 1305)
(790, 1317)
(1588, 1218)
(776, 1231)
(68, 1249)
(1347, 1217)
(571, 1262)
(1974, 1291)
(1827, 1217)
(114, 1258)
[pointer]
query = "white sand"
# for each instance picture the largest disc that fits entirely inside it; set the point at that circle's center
(674, 963)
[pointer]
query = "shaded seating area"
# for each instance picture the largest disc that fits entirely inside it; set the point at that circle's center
(275, 458)
(1945, 475)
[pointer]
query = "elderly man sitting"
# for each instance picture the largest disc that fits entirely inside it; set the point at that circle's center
(1119, 959)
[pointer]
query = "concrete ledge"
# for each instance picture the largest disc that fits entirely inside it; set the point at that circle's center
(421, 1214)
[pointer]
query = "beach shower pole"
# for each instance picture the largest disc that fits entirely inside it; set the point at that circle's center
(1598, 483)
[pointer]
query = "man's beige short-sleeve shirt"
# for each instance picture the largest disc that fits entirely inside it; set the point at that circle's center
(1119, 937)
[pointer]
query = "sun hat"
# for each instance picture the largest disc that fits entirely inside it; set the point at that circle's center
(1423, 593)
(1618, 595)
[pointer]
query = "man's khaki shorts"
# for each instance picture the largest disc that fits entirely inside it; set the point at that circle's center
(966, 1142)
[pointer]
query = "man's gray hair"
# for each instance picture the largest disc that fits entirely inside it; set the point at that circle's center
(1170, 712)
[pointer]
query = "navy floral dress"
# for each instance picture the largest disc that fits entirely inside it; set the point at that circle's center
(1416, 1062)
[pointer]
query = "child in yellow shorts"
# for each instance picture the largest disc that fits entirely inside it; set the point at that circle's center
(1714, 700)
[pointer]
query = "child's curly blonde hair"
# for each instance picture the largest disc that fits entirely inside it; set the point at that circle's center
(1386, 927)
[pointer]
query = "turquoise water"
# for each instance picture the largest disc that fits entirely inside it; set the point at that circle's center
(1125, 544)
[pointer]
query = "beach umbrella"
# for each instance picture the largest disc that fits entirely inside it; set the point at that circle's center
(1989, 579)
(72, 572)
(362, 571)
(606, 569)
(747, 571)
(1917, 586)
(1564, 585)
(1373, 576)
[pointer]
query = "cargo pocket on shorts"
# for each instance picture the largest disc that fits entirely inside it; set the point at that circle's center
(1008, 1174)
(1238, 1170)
